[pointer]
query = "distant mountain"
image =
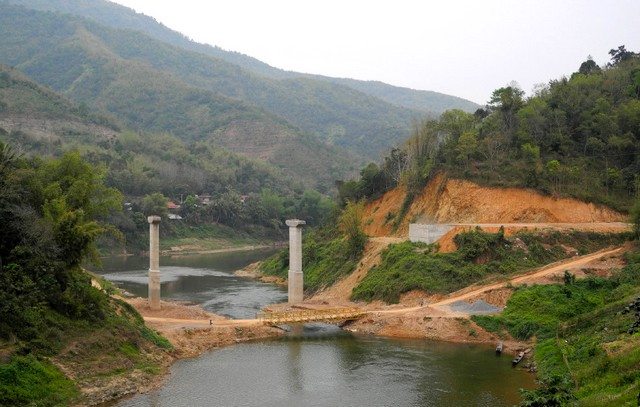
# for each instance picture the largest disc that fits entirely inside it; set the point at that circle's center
(136, 79)
(327, 123)
(38, 121)
(425, 100)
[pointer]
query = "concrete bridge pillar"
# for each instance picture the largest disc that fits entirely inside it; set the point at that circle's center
(296, 285)
(154, 262)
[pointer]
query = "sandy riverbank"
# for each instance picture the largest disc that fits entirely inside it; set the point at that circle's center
(193, 331)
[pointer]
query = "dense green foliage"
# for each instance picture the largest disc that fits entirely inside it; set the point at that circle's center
(577, 136)
(583, 349)
(52, 212)
(26, 380)
(326, 256)
(141, 164)
(416, 266)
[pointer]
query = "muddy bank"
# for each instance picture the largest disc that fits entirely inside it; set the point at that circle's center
(194, 249)
(193, 331)
(253, 271)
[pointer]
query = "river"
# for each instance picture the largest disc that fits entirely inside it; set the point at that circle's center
(322, 365)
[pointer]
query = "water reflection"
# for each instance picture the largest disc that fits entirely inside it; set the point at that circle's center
(344, 371)
(202, 279)
(316, 365)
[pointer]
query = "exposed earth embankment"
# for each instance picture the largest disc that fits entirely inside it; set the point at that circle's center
(446, 200)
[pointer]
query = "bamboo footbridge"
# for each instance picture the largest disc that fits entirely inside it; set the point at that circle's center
(310, 315)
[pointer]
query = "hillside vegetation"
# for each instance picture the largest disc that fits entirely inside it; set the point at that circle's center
(578, 136)
(584, 353)
(134, 78)
(39, 122)
(56, 327)
(117, 16)
(480, 255)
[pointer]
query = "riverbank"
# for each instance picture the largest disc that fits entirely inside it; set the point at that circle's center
(447, 318)
(253, 271)
(191, 330)
(195, 249)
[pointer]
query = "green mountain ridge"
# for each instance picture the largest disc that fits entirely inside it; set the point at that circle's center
(73, 56)
(117, 16)
(41, 122)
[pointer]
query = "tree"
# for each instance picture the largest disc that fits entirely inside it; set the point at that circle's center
(553, 168)
(589, 67)
(422, 148)
(395, 164)
(350, 224)
(372, 181)
(507, 101)
(272, 203)
(467, 146)
(155, 204)
(189, 208)
(8, 157)
(313, 207)
(532, 121)
(620, 55)
(530, 152)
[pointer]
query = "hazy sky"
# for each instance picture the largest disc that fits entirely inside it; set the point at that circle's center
(465, 48)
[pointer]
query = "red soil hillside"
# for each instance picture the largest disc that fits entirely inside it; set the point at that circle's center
(446, 200)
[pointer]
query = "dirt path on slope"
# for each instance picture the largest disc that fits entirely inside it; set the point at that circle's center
(341, 291)
(440, 307)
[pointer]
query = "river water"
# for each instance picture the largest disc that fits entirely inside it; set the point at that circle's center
(322, 366)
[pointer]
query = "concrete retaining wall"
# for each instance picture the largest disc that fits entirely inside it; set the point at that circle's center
(427, 233)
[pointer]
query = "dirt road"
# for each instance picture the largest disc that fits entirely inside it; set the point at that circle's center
(475, 290)
(439, 308)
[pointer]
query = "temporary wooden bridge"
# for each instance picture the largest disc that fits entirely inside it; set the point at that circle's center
(310, 315)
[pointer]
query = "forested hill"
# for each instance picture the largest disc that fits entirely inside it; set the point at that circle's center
(98, 66)
(365, 117)
(577, 136)
(425, 100)
(37, 121)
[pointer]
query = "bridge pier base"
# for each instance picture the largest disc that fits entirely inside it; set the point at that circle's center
(154, 262)
(295, 278)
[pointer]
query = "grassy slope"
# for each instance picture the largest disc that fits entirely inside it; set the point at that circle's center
(408, 266)
(582, 337)
(92, 353)
(326, 257)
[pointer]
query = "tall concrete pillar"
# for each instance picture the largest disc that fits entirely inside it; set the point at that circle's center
(296, 285)
(154, 262)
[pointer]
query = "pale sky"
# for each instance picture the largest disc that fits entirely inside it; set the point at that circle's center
(465, 48)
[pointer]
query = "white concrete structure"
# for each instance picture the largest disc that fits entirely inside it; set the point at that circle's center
(154, 262)
(296, 282)
(427, 233)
